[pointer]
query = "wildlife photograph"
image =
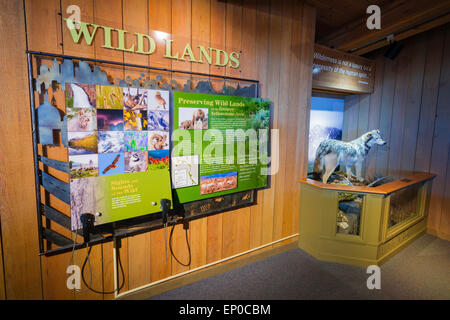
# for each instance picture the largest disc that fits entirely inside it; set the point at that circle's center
(193, 118)
(136, 161)
(135, 98)
(80, 95)
(111, 163)
(158, 120)
(158, 140)
(218, 182)
(83, 166)
(109, 97)
(135, 141)
(110, 120)
(158, 100)
(82, 142)
(110, 141)
(81, 119)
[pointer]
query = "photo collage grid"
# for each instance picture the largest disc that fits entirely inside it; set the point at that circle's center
(116, 130)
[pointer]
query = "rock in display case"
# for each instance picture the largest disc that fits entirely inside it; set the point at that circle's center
(362, 225)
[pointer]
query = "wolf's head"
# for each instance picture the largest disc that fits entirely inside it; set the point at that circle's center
(374, 138)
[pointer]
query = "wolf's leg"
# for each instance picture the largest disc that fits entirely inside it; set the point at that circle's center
(348, 171)
(330, 162)
(358, 167)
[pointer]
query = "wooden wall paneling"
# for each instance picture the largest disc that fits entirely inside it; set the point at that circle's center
(135, 19)
(351, 113)
(19, 223)
(242, 36)
(273, 85)
(387, 100)
(303, 119)
(54, 277)
(344, 121)
(108, 13)
(374, 116)
(441, 145)
(283, 116)
(430, 91)
(181, 31)
(233, 34)
(87, 15)
(160, 19)
(217, 237)
(412, 117)
(201, 35)
(363, 115)
(258, 29)
(363, 119)
(413, 103)
(398, 113)
(43, 25)
(295, 114)
(2, 269)
(214, 231)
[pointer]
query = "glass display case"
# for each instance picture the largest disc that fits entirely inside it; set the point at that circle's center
(362, 225)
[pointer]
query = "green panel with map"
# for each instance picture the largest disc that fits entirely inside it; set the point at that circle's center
(220, 145)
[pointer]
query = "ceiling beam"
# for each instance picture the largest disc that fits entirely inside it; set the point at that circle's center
(396, 17)
(406, 34)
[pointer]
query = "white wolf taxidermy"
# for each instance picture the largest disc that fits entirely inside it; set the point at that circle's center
(332, 152)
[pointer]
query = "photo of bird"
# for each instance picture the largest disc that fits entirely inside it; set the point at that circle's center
(112, 165)
(160, 100)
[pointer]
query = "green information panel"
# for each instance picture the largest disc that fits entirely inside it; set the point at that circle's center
(220, 145)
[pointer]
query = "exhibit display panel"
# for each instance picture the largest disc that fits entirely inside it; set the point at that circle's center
(362, 225)
(116, 167)
(103, 146)
(220, 145)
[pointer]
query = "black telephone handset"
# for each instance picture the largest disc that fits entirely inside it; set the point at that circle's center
(87, 220)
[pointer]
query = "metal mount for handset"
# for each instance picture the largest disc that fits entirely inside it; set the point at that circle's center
(165, 206)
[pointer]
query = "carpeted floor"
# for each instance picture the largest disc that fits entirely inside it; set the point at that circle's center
(420, 271)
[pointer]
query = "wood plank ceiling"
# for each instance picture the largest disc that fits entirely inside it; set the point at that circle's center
(342, 24)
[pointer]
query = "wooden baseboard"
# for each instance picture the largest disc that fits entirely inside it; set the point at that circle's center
(438, 234)
(171, 284)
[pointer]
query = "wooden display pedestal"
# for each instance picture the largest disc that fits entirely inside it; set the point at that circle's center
(362, 225)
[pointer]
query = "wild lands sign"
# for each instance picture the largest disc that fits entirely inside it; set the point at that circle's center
(145, 44)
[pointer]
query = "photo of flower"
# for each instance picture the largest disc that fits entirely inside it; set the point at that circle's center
(135, 120)
(158, 159)
(135, 141)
